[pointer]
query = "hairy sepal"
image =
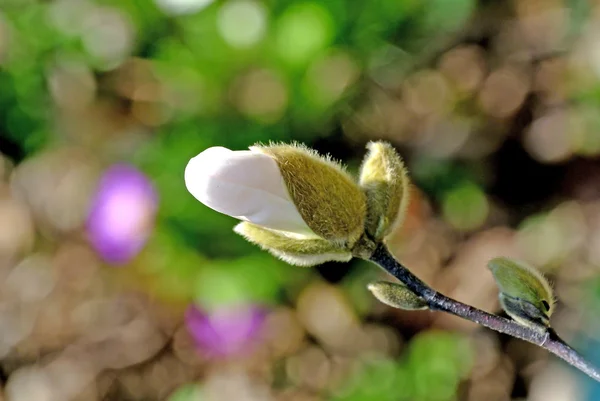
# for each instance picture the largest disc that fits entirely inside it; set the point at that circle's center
(292, 249)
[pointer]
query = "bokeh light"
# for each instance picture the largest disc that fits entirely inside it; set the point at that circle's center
(122, 214)
(242, 22)
(180, 7)
(226, 331)
(466, 207)
(303, 30)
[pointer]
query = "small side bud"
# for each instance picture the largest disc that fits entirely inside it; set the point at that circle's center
(384, 179)
(295, 251)
(396, 295)
(327, 198)
(525, 294)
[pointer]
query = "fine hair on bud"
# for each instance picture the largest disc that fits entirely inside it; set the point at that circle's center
(525, 294)
(326, 196)
(396, 295)
(384, 179)
(293, 250)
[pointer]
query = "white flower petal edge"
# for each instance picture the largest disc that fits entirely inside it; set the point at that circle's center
(246, 185)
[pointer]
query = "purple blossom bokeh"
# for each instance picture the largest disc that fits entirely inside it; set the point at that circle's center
(226, 331)
(122, 214)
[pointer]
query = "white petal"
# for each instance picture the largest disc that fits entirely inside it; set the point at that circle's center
(246, 185)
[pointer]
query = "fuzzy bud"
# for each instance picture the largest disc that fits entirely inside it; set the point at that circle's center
(396, 295)
(525, 294)
(327, 198)
(383, 178)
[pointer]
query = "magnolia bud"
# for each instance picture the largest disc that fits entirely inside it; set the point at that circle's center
(525, 294)
(328, 199)
(301, 207)
(383, 178)
(397, 295)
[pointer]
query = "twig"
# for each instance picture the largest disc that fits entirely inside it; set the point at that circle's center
(547, 339)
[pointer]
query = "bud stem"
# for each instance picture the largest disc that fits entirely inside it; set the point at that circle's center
(548, 340)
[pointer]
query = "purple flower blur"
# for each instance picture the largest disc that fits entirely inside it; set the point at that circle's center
(122, 214)
(227, 331)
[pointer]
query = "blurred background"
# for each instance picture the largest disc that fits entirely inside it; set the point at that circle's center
(115, 284)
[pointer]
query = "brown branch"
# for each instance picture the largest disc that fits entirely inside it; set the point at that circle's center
(547, 339)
